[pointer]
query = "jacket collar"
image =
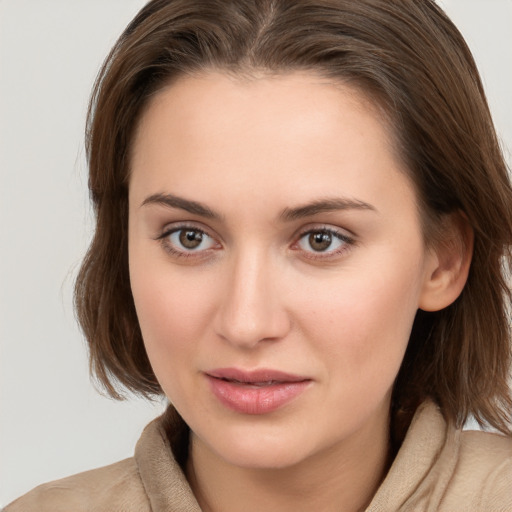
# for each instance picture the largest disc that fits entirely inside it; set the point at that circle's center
(413, 481)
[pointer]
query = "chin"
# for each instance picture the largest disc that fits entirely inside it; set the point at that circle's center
(264, 456)
(260, 447)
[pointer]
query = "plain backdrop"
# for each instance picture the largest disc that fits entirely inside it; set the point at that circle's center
(52, 421)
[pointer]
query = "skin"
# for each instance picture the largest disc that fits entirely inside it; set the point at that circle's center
(256, 294)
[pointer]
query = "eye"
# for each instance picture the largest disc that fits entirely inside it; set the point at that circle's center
(183, 241)
(324, 241)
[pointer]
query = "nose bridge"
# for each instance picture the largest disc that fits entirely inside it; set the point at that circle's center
(251, 310)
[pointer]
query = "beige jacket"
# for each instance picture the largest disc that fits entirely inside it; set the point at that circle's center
(437, 468)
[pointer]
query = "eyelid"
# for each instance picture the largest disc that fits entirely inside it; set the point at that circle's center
(347, 237)
(174, 227)
(342, 234)
(325, 226)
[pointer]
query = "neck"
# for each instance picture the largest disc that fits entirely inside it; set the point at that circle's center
(343, 477)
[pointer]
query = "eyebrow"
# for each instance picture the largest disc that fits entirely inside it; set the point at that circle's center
(286, 215)
(173, 201)
(324, 206)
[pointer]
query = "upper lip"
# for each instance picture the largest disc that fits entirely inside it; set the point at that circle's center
(254, 376)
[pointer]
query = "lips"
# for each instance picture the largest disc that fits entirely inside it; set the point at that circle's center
(255, 392)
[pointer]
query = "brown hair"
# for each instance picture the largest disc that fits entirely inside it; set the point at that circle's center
(406, 55)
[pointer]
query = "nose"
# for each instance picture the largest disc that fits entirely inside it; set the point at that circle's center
(251, 309)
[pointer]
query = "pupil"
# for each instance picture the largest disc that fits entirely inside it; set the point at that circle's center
(320, 241)
(190, 239)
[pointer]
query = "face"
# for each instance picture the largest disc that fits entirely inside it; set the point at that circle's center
(276, 262)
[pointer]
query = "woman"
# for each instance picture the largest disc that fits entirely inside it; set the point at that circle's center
(303, 231)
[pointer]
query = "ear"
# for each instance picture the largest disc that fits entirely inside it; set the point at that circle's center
(447, 263)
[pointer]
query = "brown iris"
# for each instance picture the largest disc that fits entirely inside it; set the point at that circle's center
(320, 240)
(190, 239)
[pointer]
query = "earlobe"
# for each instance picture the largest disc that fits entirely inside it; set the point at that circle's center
(448, 263)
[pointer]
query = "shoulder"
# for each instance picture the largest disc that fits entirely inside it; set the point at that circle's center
(441, 468)
(486, 458)
(483, 472)
(112, 488)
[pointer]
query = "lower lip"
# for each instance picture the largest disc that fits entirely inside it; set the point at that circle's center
(250, 399)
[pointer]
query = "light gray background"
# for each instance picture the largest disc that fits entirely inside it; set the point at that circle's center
(52, 421)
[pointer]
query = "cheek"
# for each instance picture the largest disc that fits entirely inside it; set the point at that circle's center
(163, 311)
(173, 313)
(361, 321)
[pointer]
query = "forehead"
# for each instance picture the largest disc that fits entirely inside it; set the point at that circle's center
(222, 134)
(239, 101)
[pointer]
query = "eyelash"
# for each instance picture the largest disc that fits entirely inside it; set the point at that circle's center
(168, 247)
(347, 241)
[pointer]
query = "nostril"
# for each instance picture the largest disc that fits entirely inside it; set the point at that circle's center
(250, 310)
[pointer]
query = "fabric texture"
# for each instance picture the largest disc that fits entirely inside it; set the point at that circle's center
(437, 468)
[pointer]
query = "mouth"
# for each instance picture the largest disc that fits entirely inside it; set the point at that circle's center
(255, 392)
